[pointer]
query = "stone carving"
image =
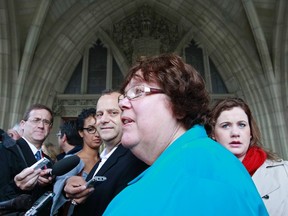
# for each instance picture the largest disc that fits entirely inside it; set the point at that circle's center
(71, 107)
(145, 33)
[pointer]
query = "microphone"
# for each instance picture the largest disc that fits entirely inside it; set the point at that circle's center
(59, 168)
(64, 165)
(18, 202)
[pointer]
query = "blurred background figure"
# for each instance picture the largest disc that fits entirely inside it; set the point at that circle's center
(15, 132)
(232, 125)
(69, 139)
(51, 150)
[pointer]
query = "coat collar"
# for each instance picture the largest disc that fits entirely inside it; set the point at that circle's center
(111, 161)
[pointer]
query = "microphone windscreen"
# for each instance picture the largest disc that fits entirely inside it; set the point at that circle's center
(23, 201)
(65, 165)
(20, 202)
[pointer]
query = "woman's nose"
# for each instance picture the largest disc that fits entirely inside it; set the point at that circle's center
(235, 132)
(124, 103)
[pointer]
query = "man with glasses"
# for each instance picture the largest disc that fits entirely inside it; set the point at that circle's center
(68, 139)
(117, 163)
(18, 181)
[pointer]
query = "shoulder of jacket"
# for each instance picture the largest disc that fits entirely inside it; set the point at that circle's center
(121, 150)
(275, 163)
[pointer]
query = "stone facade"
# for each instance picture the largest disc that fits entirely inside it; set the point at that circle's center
(42, 41)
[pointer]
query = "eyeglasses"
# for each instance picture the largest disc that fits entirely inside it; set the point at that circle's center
(36, 121)
(90, 130)
(58, 134)
(138, 91)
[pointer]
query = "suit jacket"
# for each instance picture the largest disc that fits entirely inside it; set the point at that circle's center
(13, 162)
(120, 168)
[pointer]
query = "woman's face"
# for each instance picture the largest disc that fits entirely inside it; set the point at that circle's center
(92, 140)
(148, 122)
(232, 130)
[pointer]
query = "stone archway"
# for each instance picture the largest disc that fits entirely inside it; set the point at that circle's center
(59, 47)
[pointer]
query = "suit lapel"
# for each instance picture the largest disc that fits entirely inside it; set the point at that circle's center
(112, 160)
(91, 173)
(27, 152)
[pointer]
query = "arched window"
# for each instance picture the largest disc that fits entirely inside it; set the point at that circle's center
(97, 67)
(74, 84)
(98, 70)
(95, 72)
(195, 56)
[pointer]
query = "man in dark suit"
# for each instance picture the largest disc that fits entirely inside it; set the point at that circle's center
(69, 139)
(117, 163)
(17, 178)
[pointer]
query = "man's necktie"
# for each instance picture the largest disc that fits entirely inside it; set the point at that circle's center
(38, 155)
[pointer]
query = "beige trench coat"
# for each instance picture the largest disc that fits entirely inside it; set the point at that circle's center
(271, 180)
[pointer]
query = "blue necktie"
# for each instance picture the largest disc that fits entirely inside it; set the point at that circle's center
(38, 155)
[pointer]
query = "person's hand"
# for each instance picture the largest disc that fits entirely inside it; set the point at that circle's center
(44, 177)
(75, 189)
(27, 178)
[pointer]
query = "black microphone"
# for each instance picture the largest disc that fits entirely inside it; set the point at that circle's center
(64, 165)
(59, 168)
(19, 202)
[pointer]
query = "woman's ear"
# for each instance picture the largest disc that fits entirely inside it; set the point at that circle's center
(179, 116)
(80, 133)
(213, 136)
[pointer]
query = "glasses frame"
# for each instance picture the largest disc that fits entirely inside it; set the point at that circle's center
(36, 121)
(146, 91)
(89, 132)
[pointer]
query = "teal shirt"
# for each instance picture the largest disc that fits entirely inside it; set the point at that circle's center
(193, 176)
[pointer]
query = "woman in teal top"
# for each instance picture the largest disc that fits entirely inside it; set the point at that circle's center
(164, 102)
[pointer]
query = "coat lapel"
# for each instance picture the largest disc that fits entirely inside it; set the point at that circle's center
(27, 152)
(91, 173)
(112, 160)
(260, 179)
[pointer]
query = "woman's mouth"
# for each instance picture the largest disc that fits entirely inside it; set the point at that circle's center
(126, 120)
